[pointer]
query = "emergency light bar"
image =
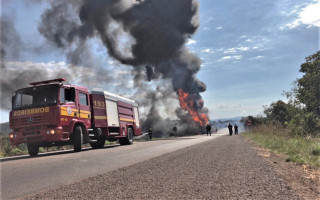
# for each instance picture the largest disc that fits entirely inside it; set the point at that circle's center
(48, 81)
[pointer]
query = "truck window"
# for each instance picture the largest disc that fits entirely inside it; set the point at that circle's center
(83, 99)
(67, 95)
(36, 96)
(27, 99)
(23, 100)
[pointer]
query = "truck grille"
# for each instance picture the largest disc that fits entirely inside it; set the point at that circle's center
(34, 139)
(31, 121)
(31, 133)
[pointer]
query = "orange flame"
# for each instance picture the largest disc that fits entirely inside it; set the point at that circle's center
(187, 105)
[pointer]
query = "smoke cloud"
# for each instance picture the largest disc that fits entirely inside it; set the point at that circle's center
(10, 40)
(148, 35)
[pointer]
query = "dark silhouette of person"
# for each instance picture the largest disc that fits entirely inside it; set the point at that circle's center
(208, 128)
(230, 129)
(174, 130)
(150, 133)
(235, 129)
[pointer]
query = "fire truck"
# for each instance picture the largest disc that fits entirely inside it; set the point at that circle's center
(53, 113)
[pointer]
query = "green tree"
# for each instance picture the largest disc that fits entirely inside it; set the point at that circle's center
(278, 111)
(308, 87)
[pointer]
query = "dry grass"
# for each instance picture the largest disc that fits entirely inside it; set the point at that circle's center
(297, 149)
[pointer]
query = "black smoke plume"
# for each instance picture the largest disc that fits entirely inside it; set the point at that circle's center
(148, 35)
(156, 32)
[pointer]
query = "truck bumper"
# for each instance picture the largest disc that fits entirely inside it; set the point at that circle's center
(44, 134)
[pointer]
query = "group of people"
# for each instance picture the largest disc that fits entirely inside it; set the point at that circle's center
(208, 128)
(230, 127)
(235, 129)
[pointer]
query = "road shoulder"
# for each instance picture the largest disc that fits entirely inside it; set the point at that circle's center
(304, 181)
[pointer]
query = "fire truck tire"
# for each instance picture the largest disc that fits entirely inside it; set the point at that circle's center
(98, 144)
(127, 140)
(130, 136)
(33, 149)
(77, 139)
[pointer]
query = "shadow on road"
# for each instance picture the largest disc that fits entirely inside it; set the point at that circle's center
(159, 139)
(53, 153)
(174, 138)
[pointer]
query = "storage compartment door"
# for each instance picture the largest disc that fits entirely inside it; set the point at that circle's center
(136, 116)
(112, 113)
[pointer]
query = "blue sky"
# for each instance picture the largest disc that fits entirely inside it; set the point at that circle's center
(251, 51)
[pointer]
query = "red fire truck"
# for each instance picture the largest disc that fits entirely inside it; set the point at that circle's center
(52, 113)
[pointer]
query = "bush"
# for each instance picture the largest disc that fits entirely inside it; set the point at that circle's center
(17, 152)
(304, 124)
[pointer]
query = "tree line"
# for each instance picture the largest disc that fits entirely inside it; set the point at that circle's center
(300, 115)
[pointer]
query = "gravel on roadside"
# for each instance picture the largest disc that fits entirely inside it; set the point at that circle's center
(224, 168)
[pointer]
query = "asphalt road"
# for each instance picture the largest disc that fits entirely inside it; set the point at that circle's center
(24, 175)
(222, 168)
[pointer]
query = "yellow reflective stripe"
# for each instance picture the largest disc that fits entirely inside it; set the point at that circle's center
(75, 110)
(64, 113)
(99, 108)
(84, 111)
(100, 117)
(84, 115)
(126, 120)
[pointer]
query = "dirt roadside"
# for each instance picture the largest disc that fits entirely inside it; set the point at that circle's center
(224, 168)
(302, 179)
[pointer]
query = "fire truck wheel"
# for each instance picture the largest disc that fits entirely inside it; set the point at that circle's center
(99, 143)
(33, 149)
(127, 140)
(77, 139)
(130, 136)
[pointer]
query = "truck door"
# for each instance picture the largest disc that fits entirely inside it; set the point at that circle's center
(69, 109)
(84, 107)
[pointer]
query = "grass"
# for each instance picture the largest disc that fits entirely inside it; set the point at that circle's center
(296, 149)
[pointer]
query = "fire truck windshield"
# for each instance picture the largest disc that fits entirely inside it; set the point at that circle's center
(36, 96)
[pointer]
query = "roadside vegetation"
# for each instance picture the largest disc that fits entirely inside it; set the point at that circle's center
(297, 149)
(292, 128)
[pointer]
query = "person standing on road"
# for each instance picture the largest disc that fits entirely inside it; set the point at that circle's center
(150, 134)
(208, 128)
(174, 131)
(230, 129)
(235, 129)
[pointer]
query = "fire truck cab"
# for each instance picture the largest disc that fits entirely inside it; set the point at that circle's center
(51, 113)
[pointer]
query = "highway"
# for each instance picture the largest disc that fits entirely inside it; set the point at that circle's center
(26, 175)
